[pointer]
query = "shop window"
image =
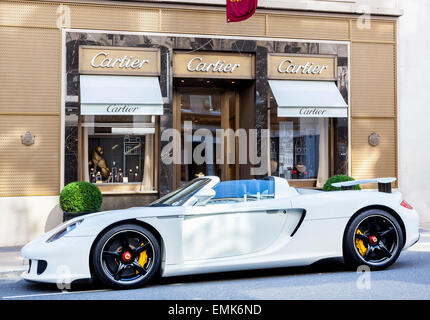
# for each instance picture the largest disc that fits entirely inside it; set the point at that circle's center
(118, 151)
(307, 150)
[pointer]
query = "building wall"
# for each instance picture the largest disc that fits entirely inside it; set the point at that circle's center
(24, 218)
(30, 33)
(386, 7)
(414, 105)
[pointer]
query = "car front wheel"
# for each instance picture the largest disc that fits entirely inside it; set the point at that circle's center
(126, 256)
(373, 238)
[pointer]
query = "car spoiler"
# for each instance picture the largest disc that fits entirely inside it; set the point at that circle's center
(384, 184)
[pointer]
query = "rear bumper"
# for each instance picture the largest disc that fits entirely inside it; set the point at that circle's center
(411, 221)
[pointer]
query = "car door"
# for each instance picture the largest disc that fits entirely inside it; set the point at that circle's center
(221, 230)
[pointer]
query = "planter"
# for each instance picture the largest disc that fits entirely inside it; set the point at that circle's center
(70, 215)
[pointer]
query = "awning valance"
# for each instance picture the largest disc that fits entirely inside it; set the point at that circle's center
(120, 95)
(308, 99)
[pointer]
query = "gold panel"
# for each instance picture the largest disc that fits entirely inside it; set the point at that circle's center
(382, 31)
(29, 170)
(30, 70)
(369, 161)
(210, 22)
(302, 67)
(213, 65)
(301, 27)
(28, 14)
(115, 188)
(119, 60)
(373, 82)
(303, 183)
(104, 17)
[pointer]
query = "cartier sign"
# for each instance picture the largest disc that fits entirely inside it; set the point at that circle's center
(213, 65)
(116, 109)
(302, 67)
(119, 60)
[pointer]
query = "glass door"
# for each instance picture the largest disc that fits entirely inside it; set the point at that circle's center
(206, 148)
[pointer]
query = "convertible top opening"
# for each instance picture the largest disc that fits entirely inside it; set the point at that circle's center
(247, 190)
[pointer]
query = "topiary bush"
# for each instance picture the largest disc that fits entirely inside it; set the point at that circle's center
(80, 197)
(338, 178)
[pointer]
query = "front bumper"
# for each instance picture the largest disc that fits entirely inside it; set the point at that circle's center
(67, 260)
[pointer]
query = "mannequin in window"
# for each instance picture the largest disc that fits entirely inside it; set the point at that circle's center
(97, 161)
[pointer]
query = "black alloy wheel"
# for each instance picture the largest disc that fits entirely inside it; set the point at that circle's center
(126, 256)
(373, 238)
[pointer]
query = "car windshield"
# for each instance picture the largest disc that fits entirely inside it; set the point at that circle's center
(181, 195)
(243, 190)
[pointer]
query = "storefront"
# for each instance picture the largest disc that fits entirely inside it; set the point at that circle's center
(301, 89)
(141, 98)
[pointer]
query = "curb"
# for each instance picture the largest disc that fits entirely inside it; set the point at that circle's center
(12, 272)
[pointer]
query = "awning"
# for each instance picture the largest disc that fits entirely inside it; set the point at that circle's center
(308, 99)
(120, 95)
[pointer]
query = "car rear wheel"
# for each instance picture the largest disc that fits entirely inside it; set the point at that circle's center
(126, 256)
(373, 238)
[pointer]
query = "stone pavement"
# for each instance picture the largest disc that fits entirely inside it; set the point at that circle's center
(11, 262)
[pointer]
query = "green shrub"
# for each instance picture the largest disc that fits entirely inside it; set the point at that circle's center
(80, 197)
(338, 178)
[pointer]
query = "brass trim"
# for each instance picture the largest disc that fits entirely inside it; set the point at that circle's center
(396, 126)
(129, 192)
(86, 69)
(373, 41)
(267, 25)
(30, 195)
(179, 70)
(30, 114)
(276, 75)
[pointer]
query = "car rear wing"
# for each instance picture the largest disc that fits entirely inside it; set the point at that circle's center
(384, 184)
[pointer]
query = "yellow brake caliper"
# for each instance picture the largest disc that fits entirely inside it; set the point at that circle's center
(143, 258)
(360, 245)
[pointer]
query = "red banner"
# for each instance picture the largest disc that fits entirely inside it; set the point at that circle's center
(238, 10)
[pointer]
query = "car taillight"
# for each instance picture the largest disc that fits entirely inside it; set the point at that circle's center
(406, 205)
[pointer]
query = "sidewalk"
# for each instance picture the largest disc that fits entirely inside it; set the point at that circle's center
(11, 262)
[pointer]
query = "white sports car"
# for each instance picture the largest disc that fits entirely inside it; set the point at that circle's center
(212, 226)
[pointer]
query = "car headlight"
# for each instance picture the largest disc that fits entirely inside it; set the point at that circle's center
(64, 231)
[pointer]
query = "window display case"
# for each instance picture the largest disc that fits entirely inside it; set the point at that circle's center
(307, 150)
(119, 161)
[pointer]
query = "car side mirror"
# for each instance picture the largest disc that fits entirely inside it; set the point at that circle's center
(203, 196)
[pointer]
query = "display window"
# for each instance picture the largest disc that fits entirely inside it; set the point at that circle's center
(307, 150)
(119, 151)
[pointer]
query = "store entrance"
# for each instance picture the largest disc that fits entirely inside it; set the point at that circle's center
(201, 108)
